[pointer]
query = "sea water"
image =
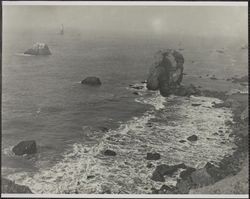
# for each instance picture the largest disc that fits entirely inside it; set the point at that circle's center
(43, 100)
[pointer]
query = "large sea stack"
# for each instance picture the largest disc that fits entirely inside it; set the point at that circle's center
(38, 49)
(167, 72)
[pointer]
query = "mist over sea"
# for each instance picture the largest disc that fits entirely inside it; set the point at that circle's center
(43, 100)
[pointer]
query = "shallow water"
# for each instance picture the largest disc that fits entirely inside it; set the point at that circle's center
(84, 168)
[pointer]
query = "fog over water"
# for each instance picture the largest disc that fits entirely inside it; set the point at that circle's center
(208, 21)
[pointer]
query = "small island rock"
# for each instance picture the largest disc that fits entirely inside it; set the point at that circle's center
(92, 81)
(25, 147)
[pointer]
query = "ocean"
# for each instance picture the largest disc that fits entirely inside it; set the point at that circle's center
(43, 100)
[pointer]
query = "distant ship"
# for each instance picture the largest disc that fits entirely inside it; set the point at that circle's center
(62, 30)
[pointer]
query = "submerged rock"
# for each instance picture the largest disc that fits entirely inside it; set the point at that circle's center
(109, 153)
(8, 186)
(38, 49)
(153, 156)
(92, 81)
(25, 147)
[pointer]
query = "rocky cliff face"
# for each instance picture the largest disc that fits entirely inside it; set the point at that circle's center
(167, 72)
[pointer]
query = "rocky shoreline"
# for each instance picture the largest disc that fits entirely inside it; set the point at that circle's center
(192, 180)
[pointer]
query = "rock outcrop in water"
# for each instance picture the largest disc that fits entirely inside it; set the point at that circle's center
(167, 73)
(25, 147)
(8, 186)
(92, 81)
(38, 49)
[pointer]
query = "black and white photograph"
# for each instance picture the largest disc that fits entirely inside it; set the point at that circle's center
(112, 99)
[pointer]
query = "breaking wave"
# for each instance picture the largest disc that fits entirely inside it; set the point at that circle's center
(85, 169)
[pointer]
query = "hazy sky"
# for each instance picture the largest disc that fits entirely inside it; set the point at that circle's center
(190, 20)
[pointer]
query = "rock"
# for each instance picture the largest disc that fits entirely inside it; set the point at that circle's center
(213, 78)
(90, 177)
(195, 104)
(201, 177)
(25, 147)
(240, 80)
(192, 138)
(135, 93)
(135, 86)
(109, 153)
(185, 91)
(166, 189)
(92, 81)
(150, 165)
(167, 72)
(187, 173)
(182, 141)
(163, 169)
(38, 49)
(183, 186)
(8, 186)
(153, 156)
(158, 177)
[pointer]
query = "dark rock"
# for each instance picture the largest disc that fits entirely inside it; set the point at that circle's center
(135, 93)
(166, 189)
(201, 177)
(92, 81)
(144, 82)
(90, 177)
(153, 156)
(158, 177)
(25, 147)
(109, 153)
(215, 172)
(167, 72)
(187, 173)
(150, 165)
(213, 78)
(138, 87)
(185, 91)
(154, 191)
(38, 49)
(183, 186)
(192, 138)
(8, 186)
(163, 169)
(104, 129)
(182, 141)
(195, 104)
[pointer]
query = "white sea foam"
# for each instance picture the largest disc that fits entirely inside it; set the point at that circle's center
(85, 169)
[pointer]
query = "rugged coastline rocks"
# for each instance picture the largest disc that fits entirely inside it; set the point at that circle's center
(25, 147)
(38, 49)
(8, 186)
(167, 72)
(92, 81)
